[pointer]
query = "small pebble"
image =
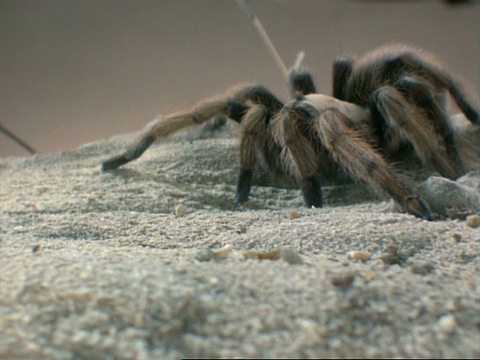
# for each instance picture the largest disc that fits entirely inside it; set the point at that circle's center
(342, 280)
(457, 238)
(180, 210)
(262, 255)
(421, 267)
(393, 256)
(359, 255)
(447, 323)
(293, 214)
(388, 259)
(242, 229)
(209, 254)
(213, 281)
(290, 256)
(138, 320)
(473, 221)
(369, 275)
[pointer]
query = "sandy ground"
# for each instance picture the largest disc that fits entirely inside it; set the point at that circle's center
(106, 265)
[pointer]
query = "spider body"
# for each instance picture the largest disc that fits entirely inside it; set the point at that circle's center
(405, 88)
(373, 113)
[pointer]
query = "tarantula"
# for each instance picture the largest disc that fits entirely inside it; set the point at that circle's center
(313, 133)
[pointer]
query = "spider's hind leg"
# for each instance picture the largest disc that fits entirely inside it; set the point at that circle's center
(460, 98)
(446, 81)
(402, 121)
(342, 68)
(434, 74)
(423, 97)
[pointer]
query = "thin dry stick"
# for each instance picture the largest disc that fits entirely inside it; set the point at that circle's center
(299, 59)
(19, 141)
(263, 34)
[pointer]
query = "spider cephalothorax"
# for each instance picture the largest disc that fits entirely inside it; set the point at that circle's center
(404, 88)
(314, 133)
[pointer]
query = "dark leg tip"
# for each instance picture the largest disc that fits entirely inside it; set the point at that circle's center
(473, 116)
(114, 162)
(312, 192)
(219, 121)
(417, 207)
(301, 82)
(243, 186)
(240, 197)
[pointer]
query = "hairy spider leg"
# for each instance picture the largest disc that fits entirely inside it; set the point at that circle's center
(423, 96)
(404, 120)
(387, 65)
(359, 158)
(300, 82)
(257, 149)
(410, 63)
(342, 68)
(462, 101)
(301, 153)
(203, 111)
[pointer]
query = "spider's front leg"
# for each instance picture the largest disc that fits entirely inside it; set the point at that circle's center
(288, 134)
(351, 151)
(257, 147)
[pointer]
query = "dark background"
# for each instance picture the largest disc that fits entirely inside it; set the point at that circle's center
(73, 71)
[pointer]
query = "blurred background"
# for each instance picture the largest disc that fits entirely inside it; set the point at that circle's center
(75, 71)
